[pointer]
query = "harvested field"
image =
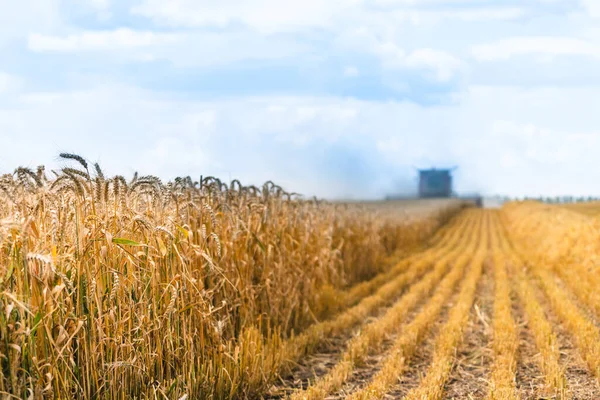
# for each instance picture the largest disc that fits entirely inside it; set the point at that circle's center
(495, 326)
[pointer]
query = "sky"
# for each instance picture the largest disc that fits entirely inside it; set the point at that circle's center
(334, 98)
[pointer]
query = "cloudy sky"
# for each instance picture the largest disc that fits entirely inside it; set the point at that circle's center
(339, 98)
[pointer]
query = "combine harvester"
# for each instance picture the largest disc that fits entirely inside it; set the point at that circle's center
(437, 184)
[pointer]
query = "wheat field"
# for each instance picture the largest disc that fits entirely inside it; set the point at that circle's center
(115, 288)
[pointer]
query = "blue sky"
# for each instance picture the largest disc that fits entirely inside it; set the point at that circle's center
(338, 98)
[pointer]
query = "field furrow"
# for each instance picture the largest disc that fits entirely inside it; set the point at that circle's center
(417, 366)
(584, 332)
(472, 364)
(412, 335)
(505, 335)
(432, 386)
(371, 337)
(581, 383)
(530, 380)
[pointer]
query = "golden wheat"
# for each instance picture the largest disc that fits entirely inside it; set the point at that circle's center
(544, 336)
(116, 288)
(584, 331)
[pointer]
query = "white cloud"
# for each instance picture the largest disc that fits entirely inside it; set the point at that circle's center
(198, 48)
(444, 64)
(266, 16)
(181, 49)
(528, 130)
(100, 5)
(388, 46)
(9, 83)
(505, 49)
(351, 72)
(17, 18)
(504, 140)
(102, 9)
(441, 3)
(119, 39)
(544, 145)
(592, 7)
(481, 14)
(431, 17)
